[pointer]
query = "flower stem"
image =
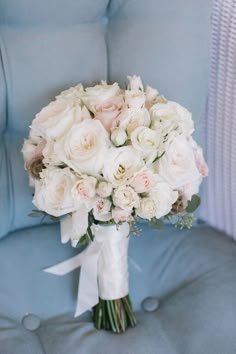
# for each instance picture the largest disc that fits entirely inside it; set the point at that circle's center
(115, 315)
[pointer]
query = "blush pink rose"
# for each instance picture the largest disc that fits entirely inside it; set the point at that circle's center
(84, 190)
(143, 180)
(120, 215)
(107, 111)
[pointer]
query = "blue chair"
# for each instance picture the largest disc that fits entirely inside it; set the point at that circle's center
(45, 47)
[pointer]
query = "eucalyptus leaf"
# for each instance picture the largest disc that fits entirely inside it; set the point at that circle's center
(157, 224)
(36, 213)
(193, 204)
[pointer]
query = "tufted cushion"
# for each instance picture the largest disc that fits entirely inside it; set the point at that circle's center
(44, 48)
(191, 272)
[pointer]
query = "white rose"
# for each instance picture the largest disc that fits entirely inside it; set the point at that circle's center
(151, 96)
(132, 118)
(74, 93)
(135, 83)
(118, 136)
(50, 157)
(121, 164)
(149, 142)
(171, 116)
(134, 98)
(53, 191)
(125, 198)
(98, 94)
(147, 208)
(188, 190)
(54, 120)
(104, 189)
(84, 147)
(199, 158)
(102, 209)
(84, 191)
(164, 197)
(177, 166)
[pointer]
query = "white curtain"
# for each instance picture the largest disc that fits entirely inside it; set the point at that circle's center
(219, 197)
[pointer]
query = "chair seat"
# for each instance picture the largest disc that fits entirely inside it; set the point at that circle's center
(192, 273)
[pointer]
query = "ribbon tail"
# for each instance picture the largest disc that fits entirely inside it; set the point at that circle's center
(66, 266)
(66, 228)
(88, 295)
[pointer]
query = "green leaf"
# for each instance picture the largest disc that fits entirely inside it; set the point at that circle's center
(157, 224)
(193, 204)
(158, 157)
(36, 213)
(83, 241)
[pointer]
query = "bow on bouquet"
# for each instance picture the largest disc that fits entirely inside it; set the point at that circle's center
(100, 157)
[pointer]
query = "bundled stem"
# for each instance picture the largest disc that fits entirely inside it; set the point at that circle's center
(115, 315)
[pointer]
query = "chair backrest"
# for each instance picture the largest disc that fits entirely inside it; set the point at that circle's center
(47, 46)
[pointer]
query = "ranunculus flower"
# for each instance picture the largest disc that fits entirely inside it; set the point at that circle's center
(97, 95)
(54, 120)
(178, 166)
(147, 208)
(104, 189)
(164, 197)
(143, 180)
(135, 83)
(121, 164)
(125, 198)
(134, 98)
(118, 136)
(171, 116)
(84, 191)
(84, 147)
(132, 118)
(121, 215)
(53, 192)
(149, 142)
(102, 209)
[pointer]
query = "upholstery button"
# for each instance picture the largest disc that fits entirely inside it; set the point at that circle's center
(150, 304)
(31, 322)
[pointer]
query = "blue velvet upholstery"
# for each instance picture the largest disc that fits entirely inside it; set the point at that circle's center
(45, 47)
(191, 272)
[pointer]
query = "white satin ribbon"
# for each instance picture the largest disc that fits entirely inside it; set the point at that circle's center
(104, 267)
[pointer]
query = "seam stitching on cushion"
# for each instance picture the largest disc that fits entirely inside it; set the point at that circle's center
(10, 186)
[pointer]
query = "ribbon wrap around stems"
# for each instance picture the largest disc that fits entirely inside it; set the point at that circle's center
(104, 267)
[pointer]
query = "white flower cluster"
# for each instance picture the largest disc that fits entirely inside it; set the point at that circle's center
(114, 153)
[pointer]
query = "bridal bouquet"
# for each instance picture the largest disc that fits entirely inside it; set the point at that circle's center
(99, 158)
